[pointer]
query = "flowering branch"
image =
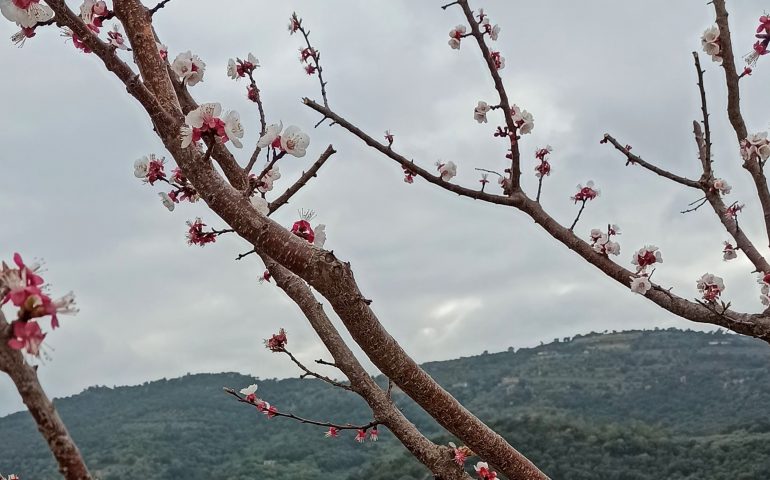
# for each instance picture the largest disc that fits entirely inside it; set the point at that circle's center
(504, 104)
(257, 98)
(276, 413)
(582, 207)
(302, 181)
(734, 108)
(50, 425)
(636, 160)
(310, 53)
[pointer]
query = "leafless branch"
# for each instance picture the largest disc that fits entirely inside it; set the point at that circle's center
(310, 373)
(157, 7)
(706, 154)
(302, 181)
(338, 426)
(636, 160)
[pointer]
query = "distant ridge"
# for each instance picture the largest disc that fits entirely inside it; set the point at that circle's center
(636, 405)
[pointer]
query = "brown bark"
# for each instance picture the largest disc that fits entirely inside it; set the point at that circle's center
(50, 425)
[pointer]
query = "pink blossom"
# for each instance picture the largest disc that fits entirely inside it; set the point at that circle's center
(484, 472)
(294, 23)
(266, 276)
(732, 210)
(729, 252)
(646, 256)
(26, 336)
(710, 287)
(455, 36)
(196, 235)
(389, 137)
(250, 392)
(374, 434)
(361, 436)
(586, 193)
(764, 24)
(498, 60)
(277, 343)
(333, 432)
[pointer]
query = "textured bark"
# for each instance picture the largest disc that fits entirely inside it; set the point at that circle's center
(50, 425)
(437, 458)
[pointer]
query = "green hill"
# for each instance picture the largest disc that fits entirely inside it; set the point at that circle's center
(628, 406)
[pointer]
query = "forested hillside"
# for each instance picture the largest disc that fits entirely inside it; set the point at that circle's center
(632, 406)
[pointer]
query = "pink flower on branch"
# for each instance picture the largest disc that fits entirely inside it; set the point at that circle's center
(333, 432)
(484, 472)
(189, 68)
(205, 120)
(456, 35)
(646, 256)
(26, 335)
(729, 252)
(277, 343)
(360, 436)
(710, 287)
(237, 69)
(586, 193)
(196, 235)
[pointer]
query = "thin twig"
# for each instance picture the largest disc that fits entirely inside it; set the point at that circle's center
(316, 56)
(698, 203)
(244, 255)
(310, 373)
(157, 7)
(262, 123)
(635, 159)
(706, 157)
(582, 207)
(302, 181)
(338, 426)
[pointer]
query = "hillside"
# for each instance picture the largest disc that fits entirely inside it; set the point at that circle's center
(631, 406)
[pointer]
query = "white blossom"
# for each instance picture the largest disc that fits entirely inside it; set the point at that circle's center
(640, 285)
(189, 68)
(26, 17)
(272, 132)
(141, 167)
(234, 128)
(166, 201)
(480, 112)
(710, 43)
(446, 170)
(294, 141)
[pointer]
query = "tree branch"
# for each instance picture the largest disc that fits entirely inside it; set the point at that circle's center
(50, 425)
(157, 7)
(302, 181)
(706, 153)
(310, 373)
(636, 160)
(500, 87)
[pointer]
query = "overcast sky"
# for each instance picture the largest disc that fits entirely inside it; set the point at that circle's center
(449, 276)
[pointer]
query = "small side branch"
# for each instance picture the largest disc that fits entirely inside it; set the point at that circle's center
(706, 154)
(338, 426)
(302, 181)
(157, 7)
(310, 373)
(633, 159)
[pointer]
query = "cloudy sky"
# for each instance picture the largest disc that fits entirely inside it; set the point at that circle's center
(449, 276)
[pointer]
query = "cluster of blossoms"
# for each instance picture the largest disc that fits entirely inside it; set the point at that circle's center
(197, 236)
(10, 477)
(544, 167)
(361, 434)
(584, 194)
(251, 396)
(26, 13)
(710, 287)
(305, 55)
(755, 148)
(602, 243)
(237, 69)
(302, 229)
(446, 170)
(484, 472)
(760, 46)
(277, 343)
(292, 140)
(729, 252)
(711, 43)
(456, 35)
(24, 288)
(524, 121)
(721, 186)
(644, 257)
(205, 120)
(188, 68)
(408, 174)
(151, 169)
(487, 28)
(294, 23)
(764, 280)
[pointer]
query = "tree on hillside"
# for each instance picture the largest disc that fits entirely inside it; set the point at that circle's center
(198, 137)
